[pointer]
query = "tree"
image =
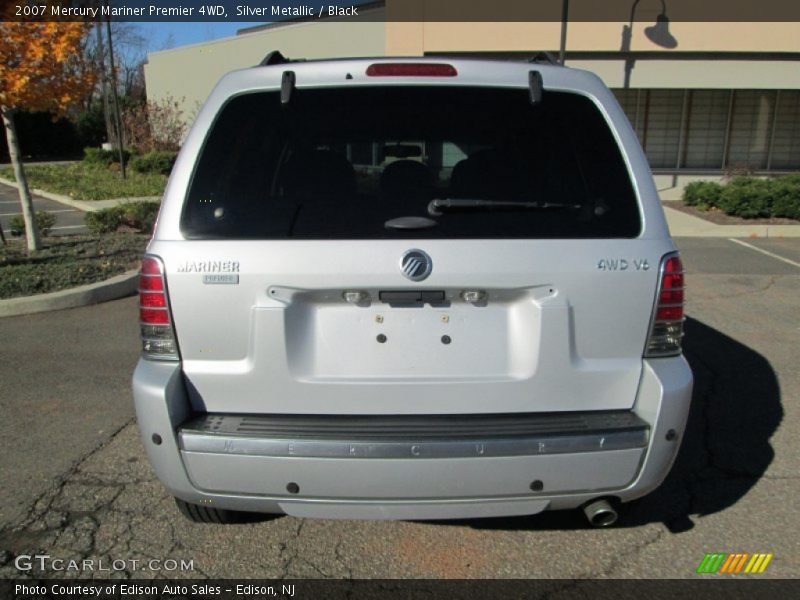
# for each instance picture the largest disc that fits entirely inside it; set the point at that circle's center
(40, 70)
(130, 46)
(155, 125)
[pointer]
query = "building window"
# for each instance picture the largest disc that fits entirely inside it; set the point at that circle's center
(662, 126)
(716, 129)
(751, 128)
(785, 153)
(705, 129)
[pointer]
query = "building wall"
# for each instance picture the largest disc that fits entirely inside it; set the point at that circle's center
(432, 37)
(190, 72)
(706, 71)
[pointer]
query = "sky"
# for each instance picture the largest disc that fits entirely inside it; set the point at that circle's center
(163, 35)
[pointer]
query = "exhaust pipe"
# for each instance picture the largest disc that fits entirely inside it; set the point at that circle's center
(600, 513)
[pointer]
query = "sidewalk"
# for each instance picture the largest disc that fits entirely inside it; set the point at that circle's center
(683, 225)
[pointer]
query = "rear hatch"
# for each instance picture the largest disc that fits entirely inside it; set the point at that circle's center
(411, 250)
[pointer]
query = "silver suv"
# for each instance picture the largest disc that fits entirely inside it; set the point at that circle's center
(411, 289)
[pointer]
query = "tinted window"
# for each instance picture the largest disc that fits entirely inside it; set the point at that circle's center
(340, 164)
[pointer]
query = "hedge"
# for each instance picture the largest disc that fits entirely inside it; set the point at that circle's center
(703, 194)
(100, 157)
(156, 161)
(748, 197)
(140, 216)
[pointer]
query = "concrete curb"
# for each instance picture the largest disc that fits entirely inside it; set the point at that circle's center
(118, 286)
(84, 205)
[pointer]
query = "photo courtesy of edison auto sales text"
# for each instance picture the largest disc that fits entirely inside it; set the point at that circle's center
(89, 590)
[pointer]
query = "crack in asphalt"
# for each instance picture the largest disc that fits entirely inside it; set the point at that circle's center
(712, 461)
(620, 558)
(773, 279)
(70, 521)
(292, 561)
(290, 553)
(337, 552)
(42, 503)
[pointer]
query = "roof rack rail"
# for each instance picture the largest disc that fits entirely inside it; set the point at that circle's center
(544, 57)
(276, 58)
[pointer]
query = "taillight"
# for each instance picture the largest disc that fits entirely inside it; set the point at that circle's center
(666, 332)
(155, 319)
(411, 70)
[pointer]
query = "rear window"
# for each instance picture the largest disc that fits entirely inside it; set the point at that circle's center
(410, 162)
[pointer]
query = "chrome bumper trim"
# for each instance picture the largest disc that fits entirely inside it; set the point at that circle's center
(214, 443)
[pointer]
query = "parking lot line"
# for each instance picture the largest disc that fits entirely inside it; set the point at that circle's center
(767, 252)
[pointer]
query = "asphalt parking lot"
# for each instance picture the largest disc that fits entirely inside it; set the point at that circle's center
(68, 220)
(74, 481)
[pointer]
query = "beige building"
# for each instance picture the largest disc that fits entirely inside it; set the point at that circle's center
(705, 98)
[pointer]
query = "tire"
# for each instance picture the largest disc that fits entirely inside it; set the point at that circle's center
(206, 514)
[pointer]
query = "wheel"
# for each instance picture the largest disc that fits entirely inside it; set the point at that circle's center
(206, 514)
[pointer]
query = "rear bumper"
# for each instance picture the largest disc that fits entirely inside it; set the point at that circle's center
(412, 469)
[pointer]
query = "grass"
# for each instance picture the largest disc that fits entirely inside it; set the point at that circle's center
(67, 261)
(90, 182)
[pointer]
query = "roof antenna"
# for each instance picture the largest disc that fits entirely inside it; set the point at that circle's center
(287, 87)
(535, 86)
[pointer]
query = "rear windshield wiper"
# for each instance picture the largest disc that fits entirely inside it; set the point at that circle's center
(439, 206)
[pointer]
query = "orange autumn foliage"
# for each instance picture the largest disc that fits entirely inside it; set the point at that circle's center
(42, 67)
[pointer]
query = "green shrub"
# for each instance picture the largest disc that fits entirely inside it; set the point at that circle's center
(747, 197)
(97, 156)
(786, 207)
(792, 178)
(140, 216)
(44, 223)
(103, 158)
(156, 161)
(16, 225)
(786, 196)
(703, 194)
(105, 220)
